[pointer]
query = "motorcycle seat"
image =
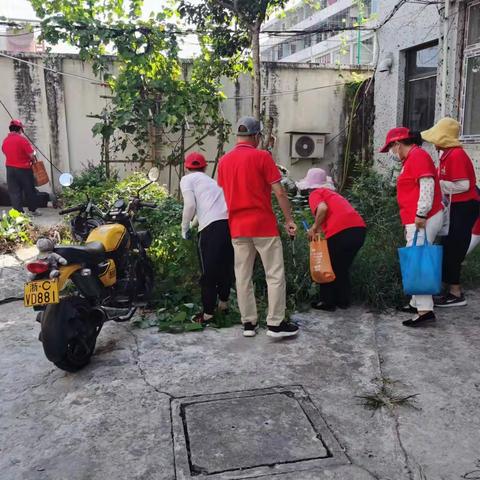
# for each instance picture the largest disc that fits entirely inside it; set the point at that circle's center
(91, 253)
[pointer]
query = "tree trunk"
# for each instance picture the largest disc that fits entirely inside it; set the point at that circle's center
(257, 78)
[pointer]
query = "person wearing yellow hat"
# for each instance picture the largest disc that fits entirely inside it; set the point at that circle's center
(458, 182)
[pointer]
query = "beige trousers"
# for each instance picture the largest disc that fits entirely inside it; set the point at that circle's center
(271, 254)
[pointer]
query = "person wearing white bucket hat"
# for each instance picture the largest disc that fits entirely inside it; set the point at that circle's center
(344, 230)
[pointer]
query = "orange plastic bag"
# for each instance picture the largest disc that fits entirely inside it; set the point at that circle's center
(320, 264)
(40, 173)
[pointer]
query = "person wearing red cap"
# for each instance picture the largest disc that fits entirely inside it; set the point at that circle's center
(248, 177)
(204, 199)
(420, 201)
(19, 155)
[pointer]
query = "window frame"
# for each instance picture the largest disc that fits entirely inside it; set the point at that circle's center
(410, 77)
(469, 51)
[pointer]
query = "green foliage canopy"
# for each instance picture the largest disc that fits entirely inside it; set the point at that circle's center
(150, 86)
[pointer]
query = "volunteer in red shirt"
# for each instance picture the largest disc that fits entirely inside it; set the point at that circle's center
(420, 201)
(19, 155)
(344, 230)
(248, 176)
(458, 182)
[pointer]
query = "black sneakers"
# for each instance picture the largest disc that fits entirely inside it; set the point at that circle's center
(451, 301)
(420, 320)
(285, 329)
(249, 329)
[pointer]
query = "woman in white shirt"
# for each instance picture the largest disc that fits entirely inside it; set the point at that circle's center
(204, 199)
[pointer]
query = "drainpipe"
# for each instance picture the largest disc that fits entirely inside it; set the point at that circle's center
(445, 58)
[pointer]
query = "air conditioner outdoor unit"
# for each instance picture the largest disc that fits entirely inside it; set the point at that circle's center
(307, 145)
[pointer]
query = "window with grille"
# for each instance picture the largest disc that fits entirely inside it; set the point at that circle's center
(471, 76)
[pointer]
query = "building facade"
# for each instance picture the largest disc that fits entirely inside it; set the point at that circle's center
(323, 45)
(429, 67)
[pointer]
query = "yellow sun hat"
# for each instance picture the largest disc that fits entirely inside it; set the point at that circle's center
(444, 134)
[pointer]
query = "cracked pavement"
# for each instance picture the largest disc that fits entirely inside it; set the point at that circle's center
(112, 420)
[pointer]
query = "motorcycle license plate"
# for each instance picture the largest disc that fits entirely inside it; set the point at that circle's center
(41, 292)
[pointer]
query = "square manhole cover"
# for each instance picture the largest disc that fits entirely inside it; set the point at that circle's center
(250, 433)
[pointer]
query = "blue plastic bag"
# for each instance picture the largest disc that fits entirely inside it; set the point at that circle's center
(421, 267)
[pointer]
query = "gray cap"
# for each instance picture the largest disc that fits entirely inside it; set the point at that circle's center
(251, 125)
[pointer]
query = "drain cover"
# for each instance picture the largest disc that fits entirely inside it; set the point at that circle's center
(249, 433)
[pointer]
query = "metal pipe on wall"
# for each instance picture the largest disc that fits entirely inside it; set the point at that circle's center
(445, 58)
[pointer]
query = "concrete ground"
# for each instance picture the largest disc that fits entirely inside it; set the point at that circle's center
(113, 420)
(49, 217)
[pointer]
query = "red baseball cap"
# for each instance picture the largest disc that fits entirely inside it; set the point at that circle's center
(16, 123)
(394, 135)
(195, 160)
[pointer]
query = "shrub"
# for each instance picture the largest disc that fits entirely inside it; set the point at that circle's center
(471, 269)
(15, 230)
(376, 278)
(174, 259)
(91, 182)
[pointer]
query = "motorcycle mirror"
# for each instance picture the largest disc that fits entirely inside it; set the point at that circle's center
(65, 179)
(154, 174)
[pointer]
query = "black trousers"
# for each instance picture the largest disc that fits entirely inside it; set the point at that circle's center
(20, 182)
(455, 245)
(216, 261)
(342, 247)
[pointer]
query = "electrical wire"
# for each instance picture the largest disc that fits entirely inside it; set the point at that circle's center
(19, 34)
(31, 141)
(58, 72)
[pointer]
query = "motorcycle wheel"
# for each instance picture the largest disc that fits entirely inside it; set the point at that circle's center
(145, 280)
(69, 333)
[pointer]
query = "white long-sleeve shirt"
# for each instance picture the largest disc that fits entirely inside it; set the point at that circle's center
(202, 197)
(452, 188)
(425, 198)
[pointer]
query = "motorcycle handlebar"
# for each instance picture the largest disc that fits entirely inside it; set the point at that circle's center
(78, 208)
(147, 205)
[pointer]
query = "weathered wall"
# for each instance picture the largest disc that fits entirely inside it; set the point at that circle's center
(417, 24)
(413, 24)
(56, 110)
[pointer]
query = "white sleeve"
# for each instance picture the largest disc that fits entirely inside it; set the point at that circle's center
(450, 188)
(425, 198)
(189, 208)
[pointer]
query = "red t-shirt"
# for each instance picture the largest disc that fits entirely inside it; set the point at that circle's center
(246, 175)
(455, 165)
(17, 150)
(340, 214)
(417, 165)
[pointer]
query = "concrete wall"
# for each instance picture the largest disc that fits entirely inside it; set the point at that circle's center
(414, 25)
(56, 110)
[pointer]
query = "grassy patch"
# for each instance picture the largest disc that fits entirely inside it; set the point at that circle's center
(385, 397)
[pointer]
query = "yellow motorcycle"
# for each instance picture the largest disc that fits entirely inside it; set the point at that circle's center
(110, 276)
